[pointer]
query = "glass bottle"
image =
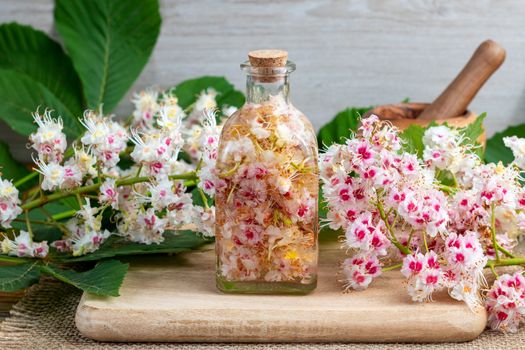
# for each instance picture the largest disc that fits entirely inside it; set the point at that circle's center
(266, 203)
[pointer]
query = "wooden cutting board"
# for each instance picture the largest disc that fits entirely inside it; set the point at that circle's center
(175, 300)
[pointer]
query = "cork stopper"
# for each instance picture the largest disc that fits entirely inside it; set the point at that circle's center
(268, 58)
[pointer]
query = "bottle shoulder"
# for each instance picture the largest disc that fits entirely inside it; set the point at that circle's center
(283, 122)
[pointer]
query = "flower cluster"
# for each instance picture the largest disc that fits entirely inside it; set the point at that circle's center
(506, 302)
(129, 178)
(266, 194)
(445, 215)
(9, 203)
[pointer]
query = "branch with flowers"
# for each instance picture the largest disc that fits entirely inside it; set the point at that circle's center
(438, 214)
(164, 187)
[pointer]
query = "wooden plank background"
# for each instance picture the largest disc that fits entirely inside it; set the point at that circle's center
(348, 53)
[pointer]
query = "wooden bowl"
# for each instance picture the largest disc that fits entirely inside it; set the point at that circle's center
(402, 115)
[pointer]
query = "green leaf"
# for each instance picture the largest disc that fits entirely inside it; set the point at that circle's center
(474, 130)
(233, 98)
(105, 279)
(188, 91)
(21, 96)
(109, 42)
(342, 126)
(197, 198)
(177, 242)
(496, 150)
(10, 168)
(16, 277)
(32, 53)
(413, 139)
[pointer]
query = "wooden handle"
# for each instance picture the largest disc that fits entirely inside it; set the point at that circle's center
(457, 96)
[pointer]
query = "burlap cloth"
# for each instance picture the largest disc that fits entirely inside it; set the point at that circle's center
(44, 319)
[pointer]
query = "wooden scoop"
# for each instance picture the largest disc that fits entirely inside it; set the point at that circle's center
(457, 96)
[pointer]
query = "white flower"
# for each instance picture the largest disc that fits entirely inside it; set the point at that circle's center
(181, 211)
(151, 226)
(259, 130)
(109, 194)
(155, 150)
(227, 111)
(89, 217)
(240, 147)
(57, 176)
(23, 246)
(440, 137)
(53, 175)
(283, 132)
(205, 220)
(517, 145)
(146, 107)
(106, 138)
(206, 100)
(49, 141)
(170, 119)
(84, 160)
(9, 203)
(161, 194)
(82, 240)
(8, 192)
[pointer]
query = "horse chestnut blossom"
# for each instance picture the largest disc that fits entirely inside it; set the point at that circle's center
(446, 216)
(23, 246)
(506, 302)
(9, 203)
(49, 141)
(128, 178)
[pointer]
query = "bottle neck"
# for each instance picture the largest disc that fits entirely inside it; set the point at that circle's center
(260, 89)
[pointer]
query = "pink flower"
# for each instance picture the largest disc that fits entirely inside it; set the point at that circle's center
(505, 303)
(365, 235)
(360, 270)
(424, 275)
(109, 194)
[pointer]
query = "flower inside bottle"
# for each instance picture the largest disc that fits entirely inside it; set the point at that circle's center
(266, 201)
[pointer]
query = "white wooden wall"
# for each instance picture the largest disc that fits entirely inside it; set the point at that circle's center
(348, 53)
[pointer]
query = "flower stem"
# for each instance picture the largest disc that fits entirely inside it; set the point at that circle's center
(392, 267)
(394, 240)
(425, 241)
(28, 224)
(91, 188)
(64, 215)
(493, 231)
(25, 179)
(506, 262)
(203, 197)
(505, 251)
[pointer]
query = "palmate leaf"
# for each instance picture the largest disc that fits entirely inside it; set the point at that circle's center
(16, 277)
(22, 95)
(109, 42)
(188, 91)
(10, 168)
(104, 279)
(174, 242)
(32, 53)
(341, 127)
(496, 150)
